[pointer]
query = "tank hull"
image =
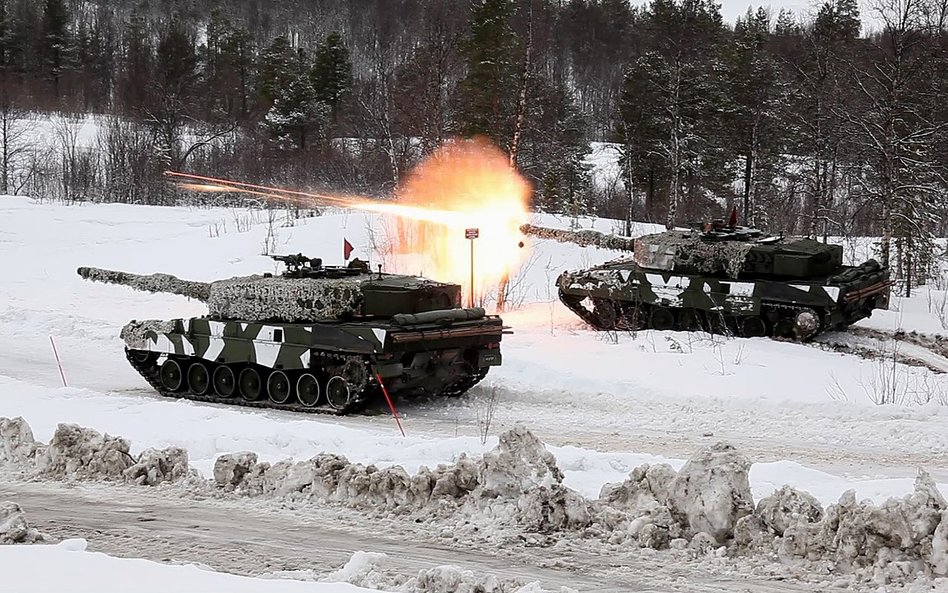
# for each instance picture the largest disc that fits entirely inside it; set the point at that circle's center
(624, 295)
(328, 367)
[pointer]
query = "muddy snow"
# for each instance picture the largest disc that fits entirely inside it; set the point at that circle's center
(14, 528)
(516, 491)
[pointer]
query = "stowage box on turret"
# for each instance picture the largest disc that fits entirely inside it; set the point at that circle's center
(316, 338)
(721, 278)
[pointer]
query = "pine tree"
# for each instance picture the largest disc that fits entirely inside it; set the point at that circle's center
(56, 45)
(555, 147)
(237, 53)
(486, 96)
(679, 69)
(332, 70)
(297, 114)
(137, 65)
(756, 96)
(4, 35)
(275, 65)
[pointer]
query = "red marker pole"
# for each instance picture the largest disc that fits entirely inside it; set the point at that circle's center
(58, 362)
(391, 406)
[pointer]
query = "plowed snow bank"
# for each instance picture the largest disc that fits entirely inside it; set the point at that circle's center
(517, 491)
(76, 452)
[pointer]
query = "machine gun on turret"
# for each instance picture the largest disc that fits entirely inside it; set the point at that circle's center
(300, 266)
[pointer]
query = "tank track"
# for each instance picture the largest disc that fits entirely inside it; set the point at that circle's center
(614, 316)
(149, 370)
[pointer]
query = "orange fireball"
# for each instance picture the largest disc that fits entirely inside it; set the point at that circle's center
(470, 184)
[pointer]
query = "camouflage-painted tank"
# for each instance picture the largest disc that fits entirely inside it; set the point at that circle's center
(721, 278)
(314, 339)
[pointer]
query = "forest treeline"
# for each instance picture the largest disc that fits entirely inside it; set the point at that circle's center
(807, 124)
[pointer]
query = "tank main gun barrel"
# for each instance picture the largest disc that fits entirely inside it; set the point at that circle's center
(152, 283)
(583, 238)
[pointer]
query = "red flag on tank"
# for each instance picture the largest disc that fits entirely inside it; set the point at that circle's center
(346, 249)
(732, 222)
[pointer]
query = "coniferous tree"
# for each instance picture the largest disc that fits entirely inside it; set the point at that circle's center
(56, 44)
(135, 73)
(756, 96)
(486, 96)
(331, 74)
(274, 73)
(5, 27)
(679, 69)
(297, 115)
(565, 179)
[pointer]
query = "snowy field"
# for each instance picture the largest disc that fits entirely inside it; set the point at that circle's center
(605, 402)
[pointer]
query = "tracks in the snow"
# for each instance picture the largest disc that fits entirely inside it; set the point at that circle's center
(911, 348)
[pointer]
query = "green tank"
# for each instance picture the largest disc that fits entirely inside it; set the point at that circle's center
(313, 339)
(721, 278)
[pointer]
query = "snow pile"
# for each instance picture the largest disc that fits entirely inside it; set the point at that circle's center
(155, 466)
(13, 526)
(368, 570)
(17, 444)
(888, 543)
(81, 453)
(707, 505)
(371, 570)
(520, 480)
(517, 489)
(518, 483)
(705, 500)
(711, 492)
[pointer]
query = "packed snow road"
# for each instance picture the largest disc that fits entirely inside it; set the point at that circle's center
(244, 538)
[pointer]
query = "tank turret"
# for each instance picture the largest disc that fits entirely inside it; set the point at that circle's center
(314, 338)
(723, 278)
(306, 291)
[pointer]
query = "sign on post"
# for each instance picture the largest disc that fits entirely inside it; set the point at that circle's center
(472, 234)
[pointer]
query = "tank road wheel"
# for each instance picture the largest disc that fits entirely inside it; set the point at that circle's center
(338, 393)
(689, 320)
(249, 384)
(604, 312)
(634, 318)
(224, 381)
(279, 387)
(753, 327)
(355, 374)
(717, 323)
(783, 329)
(307, 390)
(199, 380)
(662, 318)
(172, 377)
(806, 324)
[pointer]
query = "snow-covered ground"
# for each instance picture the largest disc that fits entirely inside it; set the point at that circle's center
(606, 402)
(28, 569)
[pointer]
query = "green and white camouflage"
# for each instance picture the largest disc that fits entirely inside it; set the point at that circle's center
(727, 280)
(315, 339)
